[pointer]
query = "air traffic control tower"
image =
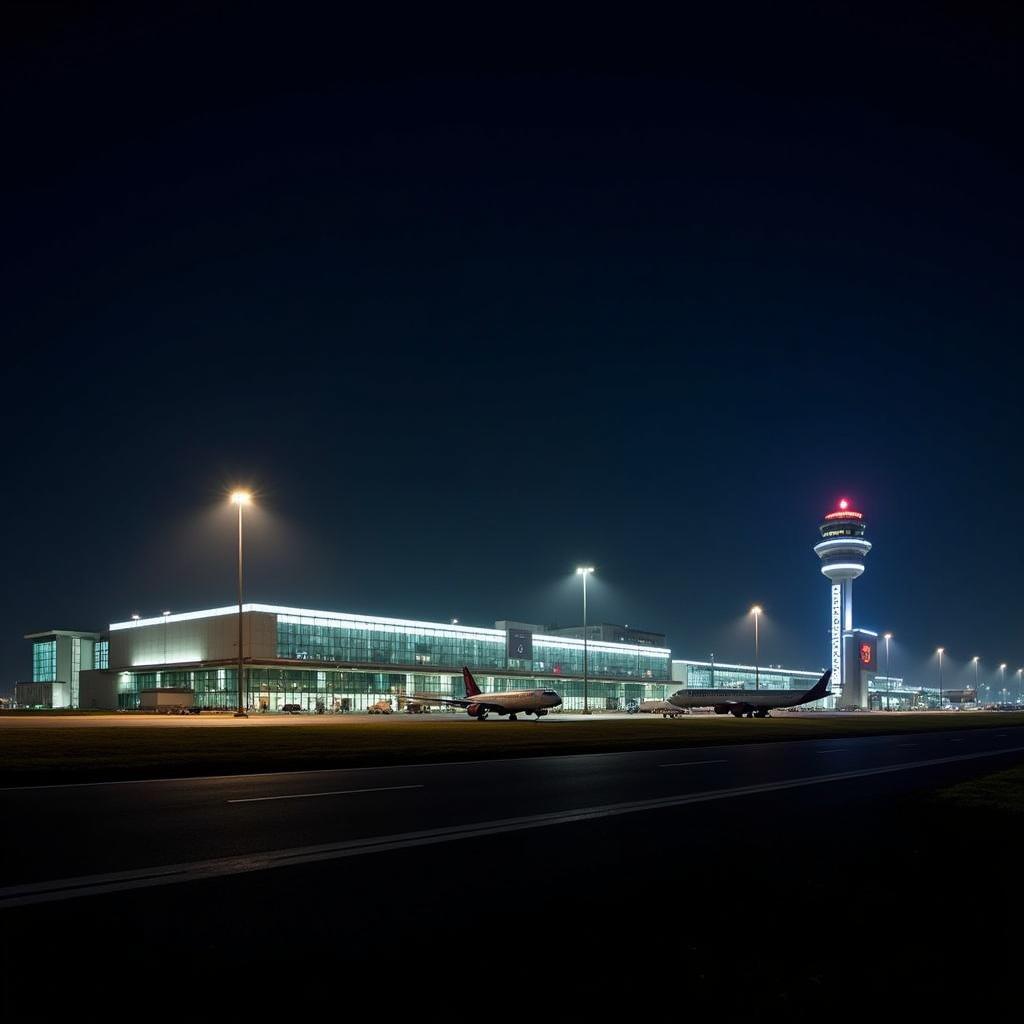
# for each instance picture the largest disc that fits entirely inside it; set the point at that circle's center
(842, 551)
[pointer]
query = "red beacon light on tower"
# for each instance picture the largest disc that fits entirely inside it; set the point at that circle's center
(844, 511)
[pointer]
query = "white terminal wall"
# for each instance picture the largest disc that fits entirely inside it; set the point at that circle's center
(182, 642)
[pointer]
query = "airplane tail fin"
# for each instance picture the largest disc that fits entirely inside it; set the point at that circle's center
(472, 690)
(820, 688)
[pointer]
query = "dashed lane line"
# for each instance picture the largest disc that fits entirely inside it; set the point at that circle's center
(121, 881)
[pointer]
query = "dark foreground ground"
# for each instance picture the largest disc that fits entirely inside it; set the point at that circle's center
(879, 894)
(92, 747)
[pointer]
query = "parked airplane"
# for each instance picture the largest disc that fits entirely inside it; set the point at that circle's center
(479, 705)
(752, 703)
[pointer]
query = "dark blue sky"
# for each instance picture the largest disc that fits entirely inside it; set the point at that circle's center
(471, 302)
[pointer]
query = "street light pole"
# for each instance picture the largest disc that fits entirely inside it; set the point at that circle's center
(976, 693)
(888, 676)
(756, 612)
(240, 498)
(1002, 676)
(939, 652)
(585, 571)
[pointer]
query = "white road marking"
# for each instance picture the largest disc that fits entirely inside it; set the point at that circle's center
(685, 764)
(306, 796)
(144, 878)
(232, 776)
(830, 750)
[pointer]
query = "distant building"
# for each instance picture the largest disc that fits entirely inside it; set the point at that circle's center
(59, 656)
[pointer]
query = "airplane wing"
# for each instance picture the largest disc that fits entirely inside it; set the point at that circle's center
(433, 698)
(457, 702)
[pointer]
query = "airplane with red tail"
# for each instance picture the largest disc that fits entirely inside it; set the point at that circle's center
(479, 705)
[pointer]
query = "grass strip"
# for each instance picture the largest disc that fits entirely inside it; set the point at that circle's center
(130, 748)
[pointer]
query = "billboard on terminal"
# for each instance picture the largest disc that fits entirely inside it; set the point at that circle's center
(519, 645)
(867, 654)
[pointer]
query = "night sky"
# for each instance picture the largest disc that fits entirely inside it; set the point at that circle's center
(469, 301)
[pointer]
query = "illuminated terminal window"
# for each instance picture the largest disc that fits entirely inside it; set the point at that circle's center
(371, 642)
(44, 661)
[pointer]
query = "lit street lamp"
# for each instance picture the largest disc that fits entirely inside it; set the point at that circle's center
(585, 571)
(1020, 692)
(756, 612)
(241, 499)
(975, 659)
(940, 652)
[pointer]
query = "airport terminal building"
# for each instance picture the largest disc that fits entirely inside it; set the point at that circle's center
(339, 661)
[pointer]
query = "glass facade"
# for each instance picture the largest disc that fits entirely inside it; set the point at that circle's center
(214, 687)
(269, 688)
(603, 660)
(895, 694)
(102, 654)
(44, 661)
(704, 676)
(369, 642)
(76, 668)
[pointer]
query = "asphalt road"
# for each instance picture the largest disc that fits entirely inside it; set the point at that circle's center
(431, 857)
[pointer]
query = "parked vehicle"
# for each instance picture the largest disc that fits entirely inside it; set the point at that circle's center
(292, 709)
(382, 707)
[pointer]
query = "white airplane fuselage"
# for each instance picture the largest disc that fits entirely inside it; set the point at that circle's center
(515, 702)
